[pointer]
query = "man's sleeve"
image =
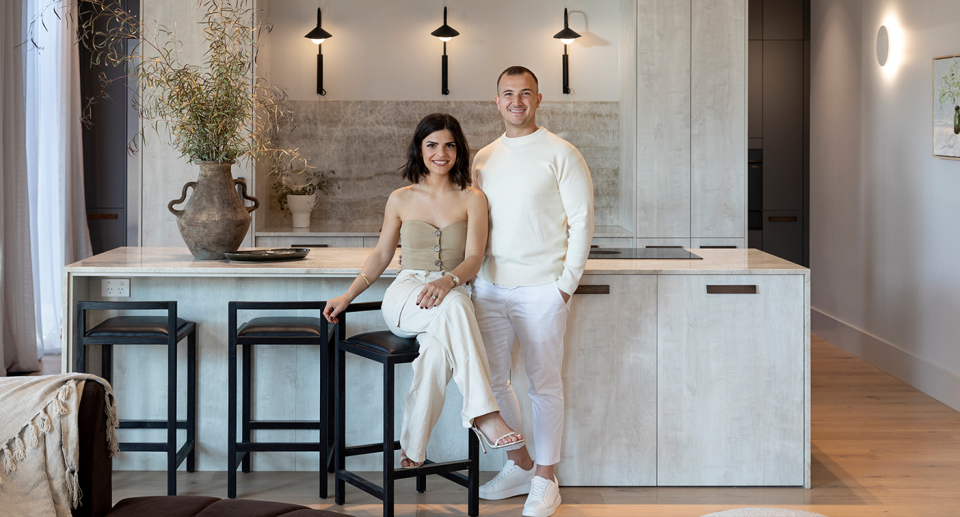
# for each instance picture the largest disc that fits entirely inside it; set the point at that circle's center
(576, 194)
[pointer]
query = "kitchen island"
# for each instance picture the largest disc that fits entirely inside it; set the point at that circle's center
(676, 372)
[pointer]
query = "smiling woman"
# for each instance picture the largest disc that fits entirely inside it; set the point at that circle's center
(441, 223)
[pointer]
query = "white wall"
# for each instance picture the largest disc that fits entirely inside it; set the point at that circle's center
(383, 50)
(884, 212)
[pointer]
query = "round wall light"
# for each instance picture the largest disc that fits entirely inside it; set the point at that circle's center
(883, 45)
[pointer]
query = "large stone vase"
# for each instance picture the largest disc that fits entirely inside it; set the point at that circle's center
(214, 220)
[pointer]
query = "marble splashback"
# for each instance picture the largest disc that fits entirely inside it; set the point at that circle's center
(365, 142)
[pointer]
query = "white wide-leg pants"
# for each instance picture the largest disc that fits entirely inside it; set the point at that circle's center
(538, 316)
(450, 346)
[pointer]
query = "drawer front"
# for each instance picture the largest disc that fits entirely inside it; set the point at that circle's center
(716, 243)
(730, 380)
(320, 242)
(663, 243)
(783, 234)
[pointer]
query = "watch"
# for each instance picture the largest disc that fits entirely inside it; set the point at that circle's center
(456, 279)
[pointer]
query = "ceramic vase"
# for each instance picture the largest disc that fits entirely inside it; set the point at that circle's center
(301, 207)
(214, 220)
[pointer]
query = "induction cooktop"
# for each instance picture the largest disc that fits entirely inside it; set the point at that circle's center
(643, 253)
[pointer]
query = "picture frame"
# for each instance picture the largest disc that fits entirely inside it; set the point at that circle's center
(946, 107)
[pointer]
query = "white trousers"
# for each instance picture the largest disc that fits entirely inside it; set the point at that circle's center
(538, 316)
(450, 346)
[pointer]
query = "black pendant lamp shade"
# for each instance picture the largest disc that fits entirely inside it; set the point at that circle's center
(567, 35)
(318, 35)
(445, 33)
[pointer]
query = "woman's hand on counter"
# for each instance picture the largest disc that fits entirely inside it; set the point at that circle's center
(336, 306)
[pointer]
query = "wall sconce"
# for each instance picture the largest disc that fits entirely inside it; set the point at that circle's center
(445, 33)
(317, 35)
(567, 36)
(883, 45)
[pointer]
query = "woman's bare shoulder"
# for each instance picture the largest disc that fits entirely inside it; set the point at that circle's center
(474, 195)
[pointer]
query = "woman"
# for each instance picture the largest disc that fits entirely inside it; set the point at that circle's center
(442, 224)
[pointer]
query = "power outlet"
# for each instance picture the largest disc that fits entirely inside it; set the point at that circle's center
(115, 287)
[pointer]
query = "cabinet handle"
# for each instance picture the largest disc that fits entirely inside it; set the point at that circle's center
(662, 247)
(592, 289)
(309, 245)
(782, 219)
(726, 247)
(101, 216)
(731, 289)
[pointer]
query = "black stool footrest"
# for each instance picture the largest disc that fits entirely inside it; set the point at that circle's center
(362, 484)
(150, 424)
(428, 469)
(359, 450)
(278, 447)
(285, 425)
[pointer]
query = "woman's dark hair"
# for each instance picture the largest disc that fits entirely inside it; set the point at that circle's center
(415, 169)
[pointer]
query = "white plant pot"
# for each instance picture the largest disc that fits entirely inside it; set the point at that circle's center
(300, 207)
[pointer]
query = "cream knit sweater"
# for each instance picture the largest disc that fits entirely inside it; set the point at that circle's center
(537, 186)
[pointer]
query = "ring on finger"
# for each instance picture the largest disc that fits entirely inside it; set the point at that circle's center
(434, 297)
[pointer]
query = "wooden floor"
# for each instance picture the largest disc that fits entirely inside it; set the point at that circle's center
(880, 447)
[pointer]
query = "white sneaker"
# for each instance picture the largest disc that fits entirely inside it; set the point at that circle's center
(544, 498)
(510, 482)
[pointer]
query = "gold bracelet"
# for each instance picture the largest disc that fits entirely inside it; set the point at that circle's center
(365, 279)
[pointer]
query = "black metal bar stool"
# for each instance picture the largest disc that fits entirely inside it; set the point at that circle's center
(390, 350)
(149, 330)
(282, 330)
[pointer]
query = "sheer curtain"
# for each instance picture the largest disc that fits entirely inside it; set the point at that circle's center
(51, 135)
(54, 161)
(17, 310)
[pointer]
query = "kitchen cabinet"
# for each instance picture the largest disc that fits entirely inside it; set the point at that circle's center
(718, 154)
(730, 395)
(783, 234)
(613, 367)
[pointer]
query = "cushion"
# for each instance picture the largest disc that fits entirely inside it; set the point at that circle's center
(386, 342)
(282, 326)
(129, 326)
(171, 506)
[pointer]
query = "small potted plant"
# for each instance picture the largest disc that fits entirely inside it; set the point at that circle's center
(299, 192)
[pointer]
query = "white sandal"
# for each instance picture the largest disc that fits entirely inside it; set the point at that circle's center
(485, 442)
(403, 456)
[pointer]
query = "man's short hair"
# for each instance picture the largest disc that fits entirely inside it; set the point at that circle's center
(517, 70)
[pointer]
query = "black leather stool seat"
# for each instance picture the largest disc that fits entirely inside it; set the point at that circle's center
(282, 326)
(133, 326)
(386, 342)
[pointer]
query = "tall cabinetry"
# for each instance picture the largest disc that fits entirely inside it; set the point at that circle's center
(779, 50)
(691, 117)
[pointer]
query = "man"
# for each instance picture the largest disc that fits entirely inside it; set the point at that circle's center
(539, 191)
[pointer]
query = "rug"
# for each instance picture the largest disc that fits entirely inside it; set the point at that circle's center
(763, 512)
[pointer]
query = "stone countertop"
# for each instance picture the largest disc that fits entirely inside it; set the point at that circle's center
(327, 229)
(346, 262)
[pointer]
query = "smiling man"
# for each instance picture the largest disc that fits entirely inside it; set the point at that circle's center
(540, 198)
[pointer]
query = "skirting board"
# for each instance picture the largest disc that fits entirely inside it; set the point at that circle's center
(928, 377)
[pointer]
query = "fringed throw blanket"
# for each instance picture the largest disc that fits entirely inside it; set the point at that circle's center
(39, 445)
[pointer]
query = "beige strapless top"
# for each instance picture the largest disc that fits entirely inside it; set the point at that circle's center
(426, 247)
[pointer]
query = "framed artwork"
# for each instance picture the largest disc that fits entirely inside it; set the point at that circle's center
(946, 107)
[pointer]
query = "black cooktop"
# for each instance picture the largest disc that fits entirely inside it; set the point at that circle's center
(642, 253)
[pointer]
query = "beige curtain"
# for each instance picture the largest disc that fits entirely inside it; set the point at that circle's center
(18, 330)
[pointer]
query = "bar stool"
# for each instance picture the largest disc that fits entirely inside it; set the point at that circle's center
(276, 331)
(390, 350)
(149, 330)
